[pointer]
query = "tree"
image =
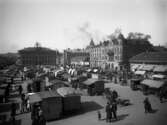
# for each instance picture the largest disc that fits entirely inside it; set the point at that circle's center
(138, 36)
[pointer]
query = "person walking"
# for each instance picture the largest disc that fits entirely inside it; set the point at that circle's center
(147, 105)
(161, 95)
(13, 113)
(20, 90)
(115, 95)
(28, 104)
(114, 109)
(107, 111)
(41, 119)
(34, 114)
(110, 112)
(7, 93)
(99, 115)
(23, 103)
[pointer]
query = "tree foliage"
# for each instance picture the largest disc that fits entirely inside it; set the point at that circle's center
(6, 61)
(138, 36)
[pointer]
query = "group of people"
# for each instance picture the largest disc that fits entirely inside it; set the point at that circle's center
(37, 115)
(111, 111)
(111, 107)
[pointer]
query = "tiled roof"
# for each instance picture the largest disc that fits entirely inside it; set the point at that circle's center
(150, 57)
(32, 49)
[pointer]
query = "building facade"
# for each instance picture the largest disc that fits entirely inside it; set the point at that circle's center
(115, 53)
(76, 57)
(39, 56)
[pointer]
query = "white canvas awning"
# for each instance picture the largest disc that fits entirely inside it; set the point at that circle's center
(65, 91)
(69, 71)
(90, 81)
(140, 67)
(140, 72)
(160, 69)
(95, 70)
(147, 67)
(159, 76)
(134, 67)
(88, 70)
(153, 83)
(57, 71)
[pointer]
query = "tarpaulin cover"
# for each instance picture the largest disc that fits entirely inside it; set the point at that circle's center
(65, 91)
(140, 72)
(90, 81)
(159, 76)
(160, 69)
(153, 83)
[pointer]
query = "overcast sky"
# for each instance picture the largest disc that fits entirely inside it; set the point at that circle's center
(61, 24)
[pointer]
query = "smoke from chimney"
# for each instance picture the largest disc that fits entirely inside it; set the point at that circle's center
(91, 33)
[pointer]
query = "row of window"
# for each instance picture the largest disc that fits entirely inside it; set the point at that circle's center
(105, 50)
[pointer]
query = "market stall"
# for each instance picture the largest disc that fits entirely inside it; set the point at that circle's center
(94, 86)
(71, 100)
(51, 103)
(135, 84)
(152, 86)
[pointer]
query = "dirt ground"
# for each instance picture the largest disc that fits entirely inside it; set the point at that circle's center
(127, 115)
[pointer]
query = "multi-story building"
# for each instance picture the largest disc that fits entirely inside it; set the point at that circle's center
(39, 56)
(116, 52)
(76, 57)
(98, 54)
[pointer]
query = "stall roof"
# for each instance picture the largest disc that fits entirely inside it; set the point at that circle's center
(160, 69)
(89, 70)
(37, 97)
(34, 98)
(66, 91)
(153, 83)
(48, 94)
(140, 72)
(90, 81)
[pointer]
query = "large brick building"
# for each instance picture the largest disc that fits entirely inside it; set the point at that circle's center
(116, 52)
(39, 56)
